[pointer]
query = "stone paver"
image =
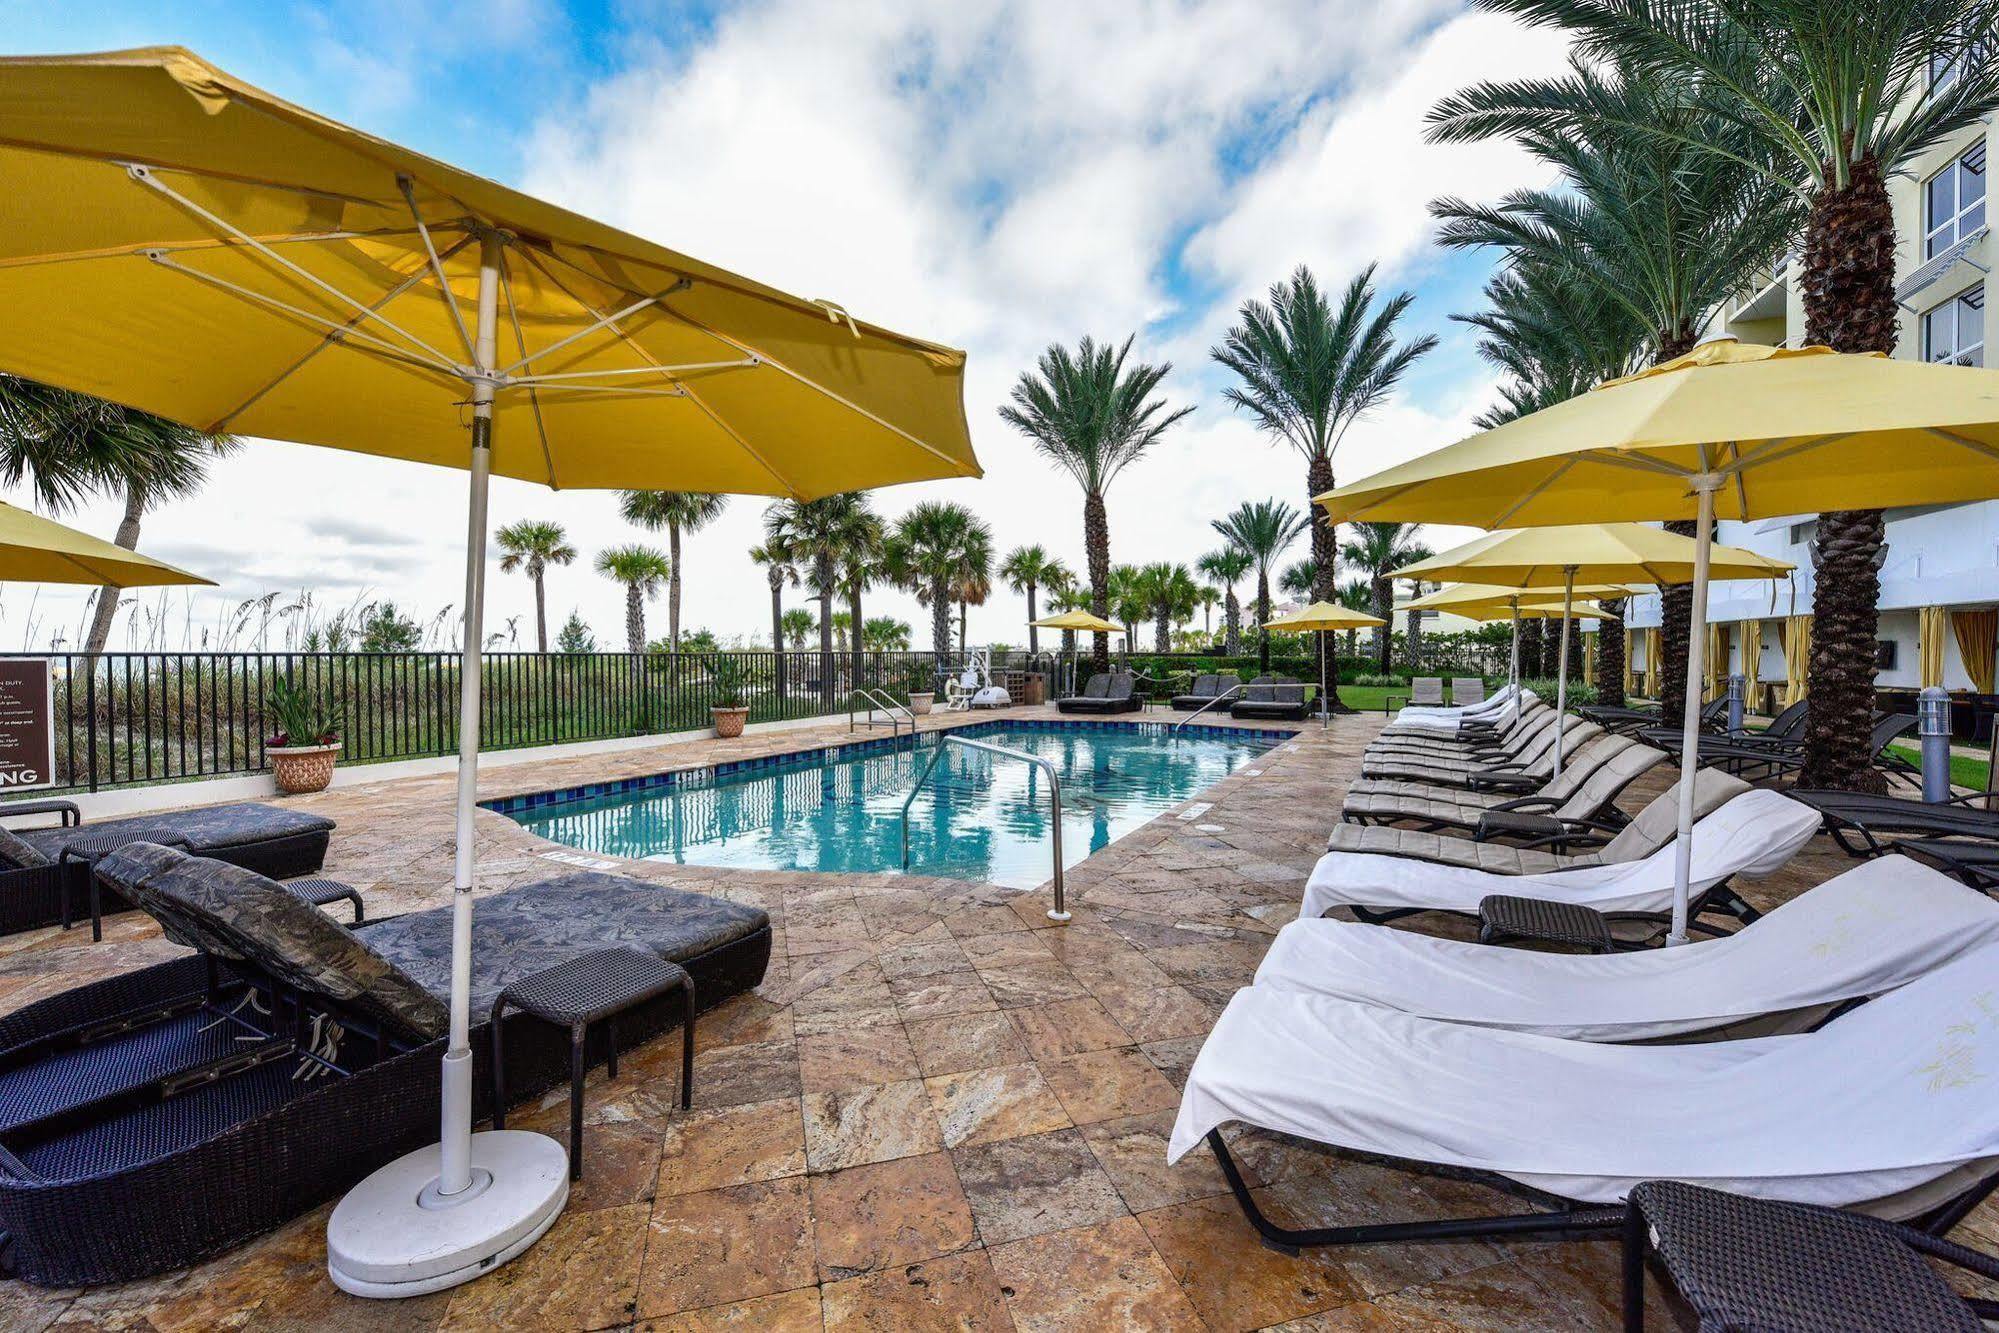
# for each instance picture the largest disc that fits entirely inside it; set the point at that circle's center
(939, 1107)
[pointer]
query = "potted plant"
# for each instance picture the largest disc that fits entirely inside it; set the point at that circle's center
(306, 741)
(729, 710)
(921, 694)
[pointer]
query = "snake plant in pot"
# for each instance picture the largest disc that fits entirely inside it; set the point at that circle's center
(727, 704)
(305, 739)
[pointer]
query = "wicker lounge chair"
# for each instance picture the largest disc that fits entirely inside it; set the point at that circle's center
(1207, 689)
(272, 840)
(1753, 832)
(1597, 773)
(1104, 693)
(158, 1117)
(1860, 934)
(1271, 699)
(1876, 1110)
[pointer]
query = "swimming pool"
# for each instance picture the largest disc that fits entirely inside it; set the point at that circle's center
(978, 816)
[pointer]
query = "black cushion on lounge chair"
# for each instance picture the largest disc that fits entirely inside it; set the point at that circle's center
(207, 830)
(1277, 697)
(1104, 694)
(1203, 691)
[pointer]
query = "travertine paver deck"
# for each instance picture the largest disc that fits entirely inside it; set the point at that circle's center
(939, 1110)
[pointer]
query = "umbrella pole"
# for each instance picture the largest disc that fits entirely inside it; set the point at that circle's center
(437, 1217)
(1562, 673)
(1325, 707)
(1690, 725)
(1513, 662)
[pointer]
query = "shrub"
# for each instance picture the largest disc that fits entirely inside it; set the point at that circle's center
(1379, 682)
(1580, 691)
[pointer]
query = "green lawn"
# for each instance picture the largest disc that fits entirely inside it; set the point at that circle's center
(1965, 771)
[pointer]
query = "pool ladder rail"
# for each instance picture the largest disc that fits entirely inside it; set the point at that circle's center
(879, 702)
(1223, 697)
(1059, 912)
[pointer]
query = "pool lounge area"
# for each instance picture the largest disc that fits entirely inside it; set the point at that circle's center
(939, 1109)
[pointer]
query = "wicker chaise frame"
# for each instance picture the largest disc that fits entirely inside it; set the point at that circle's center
(257, 1172)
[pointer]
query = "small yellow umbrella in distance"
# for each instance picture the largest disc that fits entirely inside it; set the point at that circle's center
(1322, 617)
(34, 549)
(1082, 622)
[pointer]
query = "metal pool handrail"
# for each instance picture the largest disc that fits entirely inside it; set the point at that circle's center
(1058, 912)
(877, 699)
(1233, 689)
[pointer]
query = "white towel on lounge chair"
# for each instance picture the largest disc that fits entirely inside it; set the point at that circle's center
(1882, 1107)
(1497, 710)
(1753, 834)
(1880, 925)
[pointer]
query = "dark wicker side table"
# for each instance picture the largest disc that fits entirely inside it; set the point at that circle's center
(595, 987)
(1503, 917)
(1787, 1267)
(321, 892)
(90, 848)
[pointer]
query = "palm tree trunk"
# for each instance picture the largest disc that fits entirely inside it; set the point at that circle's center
(1164, 629)
(1848, 280)
(1097, 547)
(1232, 623)
(964, 628)
(1325, 557)
(1384, 603)
(1610, 656)
(635, 618)
(107, 598)
(540, 613)
(826, 658)
(777, 629)
(854, 613)
(940, 622)
(1262, 617)
(673, 586)
(1033, 643)
(1414, 641)
(1676, 601)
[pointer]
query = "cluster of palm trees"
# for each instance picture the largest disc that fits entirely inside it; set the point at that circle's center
(1695, 141)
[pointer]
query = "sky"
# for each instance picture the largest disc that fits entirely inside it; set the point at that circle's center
(992, 174)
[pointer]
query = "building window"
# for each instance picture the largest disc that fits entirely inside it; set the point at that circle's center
(1954, 202)
(1954, 332)
(1947, 66)
(1805, 533)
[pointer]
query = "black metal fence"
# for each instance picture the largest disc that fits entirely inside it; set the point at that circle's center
(126, 719)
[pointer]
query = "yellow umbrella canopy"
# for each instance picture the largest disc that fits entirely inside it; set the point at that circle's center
(1768, 431)
(1080, 621)
(1603, 552)
(1456, 597)
(34, 549)
(180, 241)
(1525, 611)
(1324, 616)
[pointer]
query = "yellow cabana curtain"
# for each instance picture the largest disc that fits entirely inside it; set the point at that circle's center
(1716, 666)
(1976, 633)
(1929, 646)
(1797, 657)
(1634, 639)
(1752, 664)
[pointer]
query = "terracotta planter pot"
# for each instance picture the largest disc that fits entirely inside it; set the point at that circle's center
(303, 768)
(729, 721)
(920, 701)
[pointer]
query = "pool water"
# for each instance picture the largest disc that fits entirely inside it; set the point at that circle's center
(978, 816)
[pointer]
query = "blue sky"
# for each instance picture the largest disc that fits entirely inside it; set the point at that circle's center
(996, 174)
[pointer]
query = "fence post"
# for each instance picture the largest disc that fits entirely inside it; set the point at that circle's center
(90, 717)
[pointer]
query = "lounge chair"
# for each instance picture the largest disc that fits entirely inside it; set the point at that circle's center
(1467, 690)
(1878, 926)
(1886, 1108)
(1105, 693)
(1786, 730)
(1424, 692)
(1597, 773)
(1271, 698)
(1635, 720)
(1487, 712)
(1864, 824)
(1207, 689)
(1519, 725)
(1528, 756)
(1751, 832)
(155, 1118)
(1760, 762)
(35, 879)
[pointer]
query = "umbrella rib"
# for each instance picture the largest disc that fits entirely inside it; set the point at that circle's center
(437, 267)
(534, 399)
(669, 371)
(603, 322)
(1533, 494)
(127, 161)
(1976, 446)
(146, 178)
(216, 243)
(339, 332)
(331, 338)
(640, 351)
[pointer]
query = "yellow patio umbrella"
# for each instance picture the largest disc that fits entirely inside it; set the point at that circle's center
(1608, 552)
(179, 241)
(1081, 622)
(1729, 430)
(34, 549)
(1322, 617)
(1491, 601)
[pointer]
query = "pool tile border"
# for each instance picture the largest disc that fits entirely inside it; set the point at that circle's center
(707, 775)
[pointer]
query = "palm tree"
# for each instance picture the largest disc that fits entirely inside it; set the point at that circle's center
(535, 544)
(67, 445)
(1207, 599)
(885, 634)
(1307, 371)
(1644, 223)
(642, 570)
(1263, 530)
(1226, 567)
(1300, 579)
(861, 551)
(975, 582)
(1830, 98)
(816, 535)
(1127, 601)
(842, 623)
(1028, 569)
(1381, 549)
(1093, 417)
(1356, 595)
(778, 570)
(677, 512)
(1169, 592)
(933, 550)
(1068, 596)
(795, 625)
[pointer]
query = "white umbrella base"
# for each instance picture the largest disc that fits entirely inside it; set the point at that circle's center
(390, 1238)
